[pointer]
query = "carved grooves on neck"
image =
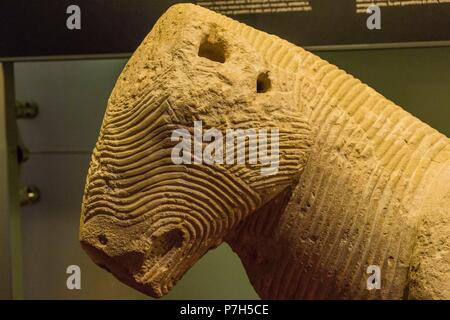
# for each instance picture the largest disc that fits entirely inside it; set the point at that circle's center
(387, 152)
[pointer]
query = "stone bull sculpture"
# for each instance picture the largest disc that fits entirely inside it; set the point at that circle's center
(359, 182)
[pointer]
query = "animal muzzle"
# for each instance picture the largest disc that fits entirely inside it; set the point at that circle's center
(150, 257)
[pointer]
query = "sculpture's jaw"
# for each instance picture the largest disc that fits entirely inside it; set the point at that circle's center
(152, 263)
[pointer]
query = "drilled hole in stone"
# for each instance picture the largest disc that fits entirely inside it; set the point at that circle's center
(102, 239)
(167, 241)
(214, 51)
(263, 83)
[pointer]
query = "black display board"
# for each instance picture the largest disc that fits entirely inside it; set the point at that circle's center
(31, 29)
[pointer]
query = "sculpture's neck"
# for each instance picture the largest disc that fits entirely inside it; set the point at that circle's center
(356, 203)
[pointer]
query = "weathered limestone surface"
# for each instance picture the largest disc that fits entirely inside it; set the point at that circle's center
(361, 182)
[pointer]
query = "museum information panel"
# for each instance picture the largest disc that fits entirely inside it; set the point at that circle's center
(44, 28)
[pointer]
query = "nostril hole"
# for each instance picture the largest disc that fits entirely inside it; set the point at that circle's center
(263, 83)
(214, 51)
(102, 239)
(163, 243)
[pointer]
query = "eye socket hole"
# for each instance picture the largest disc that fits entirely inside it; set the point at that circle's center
(263, 83)
(102, 239)
(214, 51)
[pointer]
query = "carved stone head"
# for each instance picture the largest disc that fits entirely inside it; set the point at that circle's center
(161, 189)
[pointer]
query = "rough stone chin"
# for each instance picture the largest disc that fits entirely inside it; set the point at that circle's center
(153, 278)
(160, 282)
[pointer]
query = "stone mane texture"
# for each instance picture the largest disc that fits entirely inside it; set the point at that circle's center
(361, 181)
